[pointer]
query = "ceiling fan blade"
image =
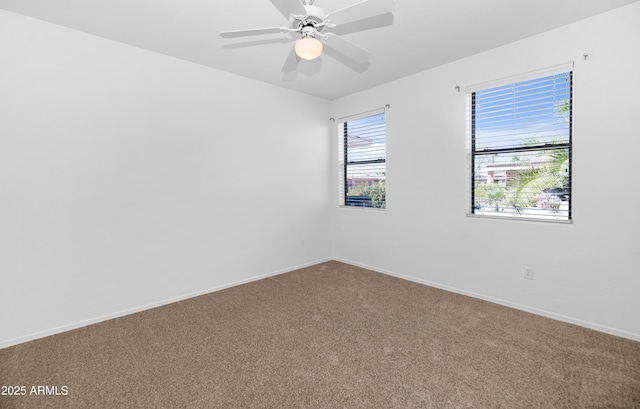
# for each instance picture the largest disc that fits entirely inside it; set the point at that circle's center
(287, 7)
(357, 67)
(291, 64)
(253, 32)
(383, 20)
(254, 43)
(360, 10)
(344, 47)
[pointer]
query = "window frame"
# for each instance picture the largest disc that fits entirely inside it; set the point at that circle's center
(542, 147)
(345, 163)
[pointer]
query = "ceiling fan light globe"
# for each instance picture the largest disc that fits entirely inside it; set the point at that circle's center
(308, 48)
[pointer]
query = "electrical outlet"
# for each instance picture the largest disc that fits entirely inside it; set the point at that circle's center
(528, 273)
(302, 243)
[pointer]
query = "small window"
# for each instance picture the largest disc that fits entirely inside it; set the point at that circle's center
(521, 149)
(363, 161)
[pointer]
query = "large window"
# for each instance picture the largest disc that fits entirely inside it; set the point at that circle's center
(363, 161)
(521, 148)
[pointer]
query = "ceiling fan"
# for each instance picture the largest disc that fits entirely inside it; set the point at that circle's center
(311, 28)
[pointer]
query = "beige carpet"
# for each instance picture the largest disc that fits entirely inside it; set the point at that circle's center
(327, 336)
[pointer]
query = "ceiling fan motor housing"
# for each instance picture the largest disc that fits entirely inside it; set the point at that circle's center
(314, 17)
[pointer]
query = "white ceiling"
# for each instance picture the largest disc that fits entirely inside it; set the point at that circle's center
(423, 34)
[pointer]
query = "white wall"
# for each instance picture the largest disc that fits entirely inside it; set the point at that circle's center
(129, 179)
(587, 272)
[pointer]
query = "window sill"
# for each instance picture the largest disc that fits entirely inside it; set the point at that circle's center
(363, 208)
(520, 218)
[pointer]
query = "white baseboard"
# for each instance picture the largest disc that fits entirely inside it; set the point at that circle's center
(122, 313)
(547, 314)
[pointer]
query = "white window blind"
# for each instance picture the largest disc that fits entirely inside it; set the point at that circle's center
(363, 160)
(521, 147)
